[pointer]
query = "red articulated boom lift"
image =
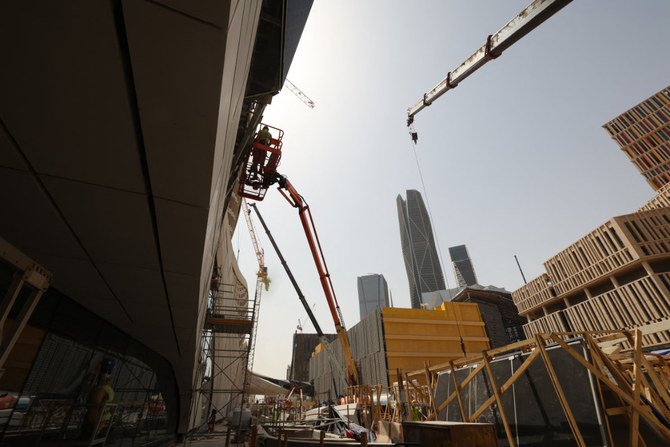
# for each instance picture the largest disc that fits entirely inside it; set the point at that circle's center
(259, 173)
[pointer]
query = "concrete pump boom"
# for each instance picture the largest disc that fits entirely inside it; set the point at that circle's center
(297, 201)
(291, 278)
(301, 297)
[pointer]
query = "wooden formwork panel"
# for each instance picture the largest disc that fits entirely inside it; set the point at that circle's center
(600, 252)
(366, 343)
(394, 338)
(534, 294)
(547, 324)
(648, 231)
(415, 336)
(661, 200)
(637, 132)
(632, 305)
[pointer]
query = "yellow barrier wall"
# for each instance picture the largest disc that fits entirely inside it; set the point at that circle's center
(415, 336)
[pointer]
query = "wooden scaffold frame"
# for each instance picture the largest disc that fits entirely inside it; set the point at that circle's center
(638, 381)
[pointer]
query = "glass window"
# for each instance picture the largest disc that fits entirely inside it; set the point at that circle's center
(78, 392)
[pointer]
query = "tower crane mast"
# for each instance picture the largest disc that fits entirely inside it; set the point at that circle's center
(262, 273)
(261, 280)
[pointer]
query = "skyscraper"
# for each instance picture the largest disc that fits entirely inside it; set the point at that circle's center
(303, 346)
(465, 273)
(643, 133)
(424, 272)
(373, 292)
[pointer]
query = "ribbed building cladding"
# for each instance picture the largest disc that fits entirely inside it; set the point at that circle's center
(424, 272)
(373, 293)
(303, 346)
(643, 133)
(618, 275)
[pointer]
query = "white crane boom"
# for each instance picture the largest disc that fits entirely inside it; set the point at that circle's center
(526, 21)
(299, 93)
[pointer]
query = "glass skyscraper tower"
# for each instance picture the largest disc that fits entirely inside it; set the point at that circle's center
(422, 264)
(373, 293)
(465, 273)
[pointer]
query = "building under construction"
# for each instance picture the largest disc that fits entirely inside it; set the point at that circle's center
(643, 133)
(130, 131)
(390, 339)
(124, 126)
(618, 275)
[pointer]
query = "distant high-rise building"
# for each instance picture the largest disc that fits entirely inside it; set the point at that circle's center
(303, 346)
(373, 293)
(502, 321)
(424, 271)
(465, 273)
(644, 135)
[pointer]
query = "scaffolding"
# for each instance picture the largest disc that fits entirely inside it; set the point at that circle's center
(227, 343)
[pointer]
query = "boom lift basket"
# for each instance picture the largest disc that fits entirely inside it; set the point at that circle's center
(261, 165)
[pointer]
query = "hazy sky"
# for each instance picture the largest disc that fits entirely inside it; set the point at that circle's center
(515, 160)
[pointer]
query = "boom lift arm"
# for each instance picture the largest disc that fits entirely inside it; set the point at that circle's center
(526, 21)
(258, 174)
(297, 201)
(284, 264)
(301, 296)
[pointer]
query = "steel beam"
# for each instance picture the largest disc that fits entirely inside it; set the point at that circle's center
(28, 274)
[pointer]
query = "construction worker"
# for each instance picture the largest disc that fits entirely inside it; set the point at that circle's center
(264, 136)
(258, 155)
(211, 422)
(98, 397)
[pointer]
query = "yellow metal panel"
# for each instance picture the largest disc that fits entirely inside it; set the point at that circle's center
(422, 346)
(419, 314)
(414, 336)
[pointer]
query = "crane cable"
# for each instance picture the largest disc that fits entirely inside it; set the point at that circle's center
(432, 220)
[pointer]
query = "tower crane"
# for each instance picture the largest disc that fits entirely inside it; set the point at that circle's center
(262, 273)
(301, 297)
(262, 280)
(299, 93)
(526, 21)
(259, 173)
